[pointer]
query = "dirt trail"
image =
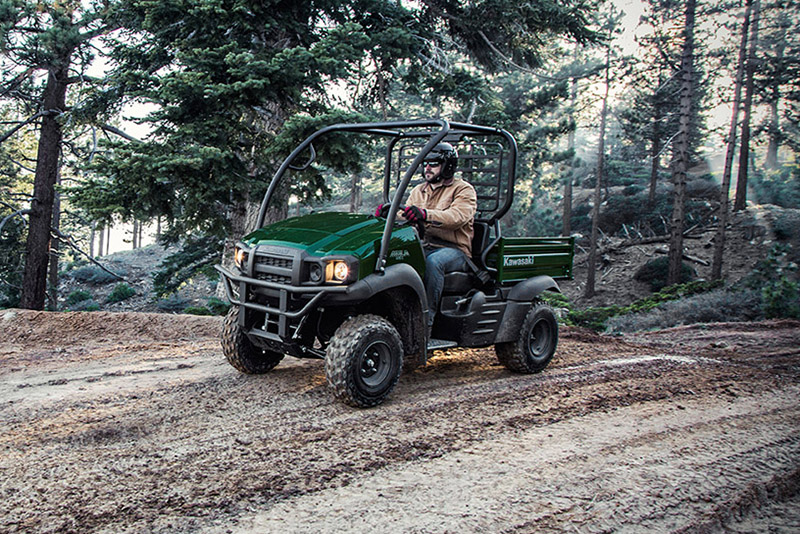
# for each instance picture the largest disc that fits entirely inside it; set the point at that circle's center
(134, 423)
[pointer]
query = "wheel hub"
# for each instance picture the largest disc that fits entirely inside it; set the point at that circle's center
(375, 363)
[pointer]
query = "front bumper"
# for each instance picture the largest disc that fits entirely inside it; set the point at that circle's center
(285, 306)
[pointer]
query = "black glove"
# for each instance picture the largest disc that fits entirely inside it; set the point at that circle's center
(415, 214)
(382, 210)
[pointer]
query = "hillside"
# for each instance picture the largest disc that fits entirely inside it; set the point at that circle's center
(749, 240)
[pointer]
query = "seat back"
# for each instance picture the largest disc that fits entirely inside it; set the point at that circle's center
(480, 241)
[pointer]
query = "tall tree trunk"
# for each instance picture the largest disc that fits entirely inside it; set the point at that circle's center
(680, 163)
(91, 240)
(773, 129)
(719, 238)
(740, 202)
(34, 282)
(655, 158)
(101, 241)
(566, 225)
(589, 290)
(52, 295)
(355, 193)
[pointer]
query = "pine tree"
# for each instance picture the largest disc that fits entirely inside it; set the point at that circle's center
(52, 40)
(237, 85)
(680, 162)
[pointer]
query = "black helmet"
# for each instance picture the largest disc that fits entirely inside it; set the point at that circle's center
(445, 154)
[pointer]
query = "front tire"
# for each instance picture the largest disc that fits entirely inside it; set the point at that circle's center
(537, 342)
(364, 360)
(241, 353)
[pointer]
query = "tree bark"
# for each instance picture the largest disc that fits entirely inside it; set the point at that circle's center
(101, 241)
(34, 283)
(773, 128)
(589, 290)
(655, 159)
(740, 203)
(566, 228)
(52, 294)
(719, 238)
(680, 163)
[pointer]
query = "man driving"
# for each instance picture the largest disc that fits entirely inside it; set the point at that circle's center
(446, 206)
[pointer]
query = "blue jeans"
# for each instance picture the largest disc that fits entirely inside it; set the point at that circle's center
(439, 261)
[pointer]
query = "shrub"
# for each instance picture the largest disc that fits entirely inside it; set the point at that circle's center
(716, 306)
(654, 272)
(217, 306)
(596, 318)
(174, 303)
(85, 305)
(77, 296)
(91, 274)
(197, 310)
(781, 299)
(787, 227)
(121, 292)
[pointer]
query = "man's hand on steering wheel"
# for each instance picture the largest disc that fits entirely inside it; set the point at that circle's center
(415, 215)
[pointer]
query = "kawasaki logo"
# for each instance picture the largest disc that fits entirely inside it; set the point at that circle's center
(399, 255)
(518, 261)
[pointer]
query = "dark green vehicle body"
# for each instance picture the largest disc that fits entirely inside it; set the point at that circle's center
(348, 287)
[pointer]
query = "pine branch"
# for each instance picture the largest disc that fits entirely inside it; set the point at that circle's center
(16, 128)
(18, 213)
(67, 240)
(117, 131)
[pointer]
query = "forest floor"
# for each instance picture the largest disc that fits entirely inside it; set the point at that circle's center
(134, 422)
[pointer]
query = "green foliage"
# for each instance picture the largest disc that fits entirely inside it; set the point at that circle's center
(654, 272)
(197, 310)
(214, 306)
(197, 256)
(787, 227)
(121, 292)
(88, 305)
(173, 304)
(720, 305)
(79, 295)
(91, 274)
(775, 278)
(781, 299)
(597, 318)
(217, 306)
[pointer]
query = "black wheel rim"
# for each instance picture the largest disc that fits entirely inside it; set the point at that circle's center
(539, 339)
(375, 364)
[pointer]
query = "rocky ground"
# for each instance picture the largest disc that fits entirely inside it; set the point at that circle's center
(133, 422)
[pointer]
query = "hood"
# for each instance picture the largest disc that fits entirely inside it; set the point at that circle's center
(322, 234)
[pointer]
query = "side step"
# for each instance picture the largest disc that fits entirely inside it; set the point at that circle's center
(441, 344)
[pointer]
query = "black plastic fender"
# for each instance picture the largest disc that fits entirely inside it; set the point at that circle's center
(398, 275)
(529, 289)
(520, 299)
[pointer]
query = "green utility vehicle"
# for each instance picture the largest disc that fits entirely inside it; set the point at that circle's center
(347, 287)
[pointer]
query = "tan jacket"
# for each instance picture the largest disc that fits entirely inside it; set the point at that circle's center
(451, 206)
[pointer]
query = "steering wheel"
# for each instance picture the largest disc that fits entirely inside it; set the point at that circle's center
(419, 225)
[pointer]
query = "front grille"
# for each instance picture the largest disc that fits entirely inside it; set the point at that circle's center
(273, 265)
(269, 277)
(273, 261)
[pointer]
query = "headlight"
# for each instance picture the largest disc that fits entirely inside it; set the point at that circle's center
(340, 271)
(239, 257)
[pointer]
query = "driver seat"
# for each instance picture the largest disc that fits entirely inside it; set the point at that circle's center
(460, 282)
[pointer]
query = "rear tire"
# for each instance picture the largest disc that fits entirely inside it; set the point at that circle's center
(241, 353)
(364, 360)
(537, 342)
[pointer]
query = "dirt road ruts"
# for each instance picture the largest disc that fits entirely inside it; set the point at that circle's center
(135, 423)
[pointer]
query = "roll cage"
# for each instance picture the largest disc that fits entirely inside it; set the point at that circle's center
(490, 166)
